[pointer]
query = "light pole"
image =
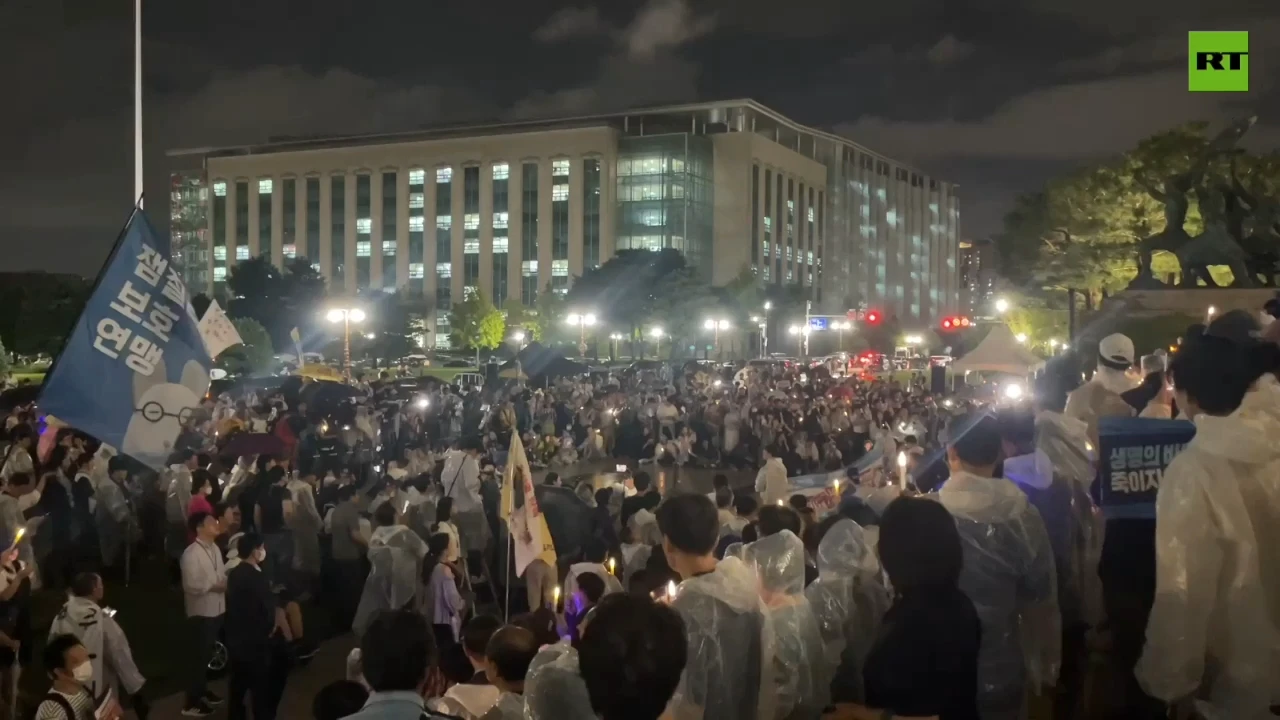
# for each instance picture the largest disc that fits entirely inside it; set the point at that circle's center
(656, 333)
(764, 344)
(840, 326)
(346, 316)
(715, 326)
(1002, 306)
(615, 337)
(583, 321)
(801, 333)
(519, 337)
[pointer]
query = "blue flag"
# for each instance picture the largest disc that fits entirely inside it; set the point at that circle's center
(134, 368)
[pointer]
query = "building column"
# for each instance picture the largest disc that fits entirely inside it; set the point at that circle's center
(255, 242)
(325, 251)
(544, 223)
(485, 280)
(349, 234)
(277, 222)
(577, 182)
(402, 229)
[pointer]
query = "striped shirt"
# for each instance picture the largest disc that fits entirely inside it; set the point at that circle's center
(81, 702)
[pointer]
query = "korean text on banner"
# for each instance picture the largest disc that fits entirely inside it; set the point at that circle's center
(825, 489)
(1133, 455)
(525, 521)
(134, 368)
(217, 330)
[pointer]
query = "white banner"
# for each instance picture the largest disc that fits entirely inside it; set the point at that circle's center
(527, 525)
(217, 331)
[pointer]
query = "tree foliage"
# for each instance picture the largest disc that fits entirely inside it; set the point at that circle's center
(38, 309)
(396, 321)
(1081, 230)
(623, 291)
(4, 360)
(279, 301)
(523, 319)
(1042, 318)
(255, 356)
(475, 323)
(549, 309)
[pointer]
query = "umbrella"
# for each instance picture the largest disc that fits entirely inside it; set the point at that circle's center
(21, 395)
(325, 396)
(537, 360)
(512, 374)
(242, 444)
(569, 519)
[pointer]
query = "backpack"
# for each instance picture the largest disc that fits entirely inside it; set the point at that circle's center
(58, 699)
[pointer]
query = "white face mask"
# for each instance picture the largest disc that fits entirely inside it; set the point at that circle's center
(83, 673)
(260, 555)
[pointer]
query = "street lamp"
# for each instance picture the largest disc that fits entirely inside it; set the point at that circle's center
(615, 337)
(656, 333)
(715, 326)
(583, 321)
(1208, 315)
(346, 316)
(1002, 306)
(764, 330)
(840, 326)
(1021, 338)
(801, 333)
(519, 336)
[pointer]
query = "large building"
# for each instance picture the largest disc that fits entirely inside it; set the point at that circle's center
(977, 277)
(515, 208)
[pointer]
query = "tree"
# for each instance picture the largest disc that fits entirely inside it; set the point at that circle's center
(38, 309)
(475, 323)
(4, 360)
(1041, 318)
(255, 355)
(397, 323)
(622, 291)
(522, 319)
(279, 301)
(684, 302)
(550, 311)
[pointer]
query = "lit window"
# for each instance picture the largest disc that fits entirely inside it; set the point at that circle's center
(471, 221)
(810, 213)
(559, 168)
(891, 217)
(444, 222)
(291, 251)
(364, 226)
(471, 247)
(880, 194)
(810, 258)
(389, 247)
(677, 165)
(501, 171)
(559, 268)
(315, 266)
(766, 249)
(500, 220)
(561, 291)
(264, 186)
(220, 253)
(624, 167)
(417, 271)
(220, 189)
(444, 270)
(500, 245)
(677, 190)
(768, 223)
(560, 192)
(417, 223)
(364, 248)
(529, 268)
(652, 217)
(416, 200)
(766, 273)
(417, 176)
(242, 252)
(790, 277)
(444, 175)
(219, 274)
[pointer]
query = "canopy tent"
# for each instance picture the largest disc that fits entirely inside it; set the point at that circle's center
(1001, 352)
(537, 360)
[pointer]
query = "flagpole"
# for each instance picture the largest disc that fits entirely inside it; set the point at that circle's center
(137, 101)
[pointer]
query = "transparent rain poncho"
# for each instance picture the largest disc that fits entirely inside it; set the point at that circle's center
(553, 687)
(395, 559)
(114, 520)
(801, 676)
(306, 524)
(1010, 576)
(848, 599)
(1213, 626)
(729, 672)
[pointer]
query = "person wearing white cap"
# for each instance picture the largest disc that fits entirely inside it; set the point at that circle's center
(1100, 397)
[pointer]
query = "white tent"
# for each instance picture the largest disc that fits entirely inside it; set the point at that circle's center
(1001, 352)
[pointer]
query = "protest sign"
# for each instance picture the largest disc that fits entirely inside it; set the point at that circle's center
(1133, 456)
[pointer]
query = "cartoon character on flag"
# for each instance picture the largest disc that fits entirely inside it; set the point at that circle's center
(134, 367)
(525, 521)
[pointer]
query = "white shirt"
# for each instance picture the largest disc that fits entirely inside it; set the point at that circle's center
(202, 568)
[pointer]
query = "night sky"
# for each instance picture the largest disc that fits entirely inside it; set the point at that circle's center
(997, 95)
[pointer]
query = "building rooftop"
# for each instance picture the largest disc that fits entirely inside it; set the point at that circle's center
(664, 115)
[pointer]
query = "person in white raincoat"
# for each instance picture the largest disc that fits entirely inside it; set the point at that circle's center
(848, 599)
(395, 559)
(306, 524)
(97, 629)
(553, 687)
(800, 669)
(729, 673)
(771, 480)
(1211, 637)
(113, 513)
(1009, 571)
(177, 481)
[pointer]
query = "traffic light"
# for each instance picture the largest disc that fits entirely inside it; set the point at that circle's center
(873, 317)
(956, 323)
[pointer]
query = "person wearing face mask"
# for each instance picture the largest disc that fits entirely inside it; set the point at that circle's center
(201, 487)
(71, 673)
(96, 628)
(250, 628)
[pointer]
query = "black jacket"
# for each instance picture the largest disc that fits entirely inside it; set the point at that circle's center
(251, 613)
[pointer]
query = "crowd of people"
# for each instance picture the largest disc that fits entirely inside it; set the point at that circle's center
(965, 582)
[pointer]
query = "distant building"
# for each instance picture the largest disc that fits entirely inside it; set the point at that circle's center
(977, 277)
(512, 209)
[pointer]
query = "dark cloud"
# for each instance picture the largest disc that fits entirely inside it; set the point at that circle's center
(949, 50)
(571, 23)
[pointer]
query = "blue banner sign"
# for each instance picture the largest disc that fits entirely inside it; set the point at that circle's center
(819, 323)
(134, 368)
(1132, 460)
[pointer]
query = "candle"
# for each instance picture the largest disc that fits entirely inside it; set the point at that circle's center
(671, 589)
(613, 566)
(902, 470)
(18, 536)
(779, 503)
(835, 485)
(555, 602)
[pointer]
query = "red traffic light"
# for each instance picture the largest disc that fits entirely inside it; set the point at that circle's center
(947, 323)
(873, 317)
(964, 322)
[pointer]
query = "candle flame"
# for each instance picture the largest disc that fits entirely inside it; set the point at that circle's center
(18, 536)
(557, 594)
(902, 459)
(612, 566)
(779, 503)
(671, 588)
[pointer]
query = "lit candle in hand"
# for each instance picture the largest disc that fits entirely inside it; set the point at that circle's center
(902, 470)
(555, 602)
(613, 569)
(671, 589)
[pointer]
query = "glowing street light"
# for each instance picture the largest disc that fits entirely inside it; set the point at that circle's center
(801, 332)
(656, 333)
(346, 316)
(1002, 306)
(764, 330)
(615, 337)
(583, 321)
(840, 326)
(715, 326)
(1021, 338)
